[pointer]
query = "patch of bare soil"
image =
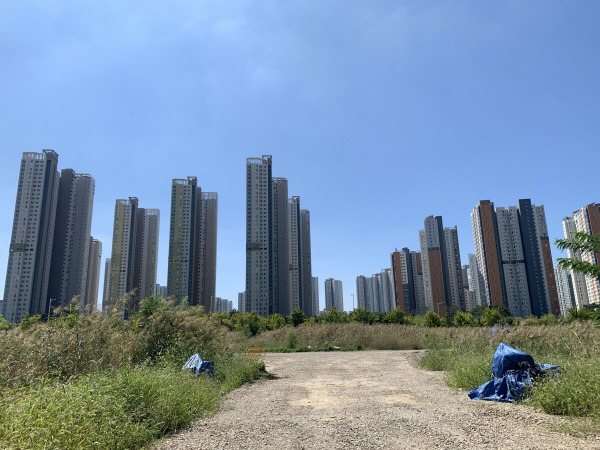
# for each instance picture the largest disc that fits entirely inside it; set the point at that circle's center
(367, 400)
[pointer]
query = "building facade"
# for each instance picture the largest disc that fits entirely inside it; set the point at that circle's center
(514, 260)
(71, 247)
(587, 220)
(334, 295)
(192, 265)
(259, 204)
(566, 293)
(442, 269)
(278, 254)
(134, 255)
(28, 268)
(315, 295)
(93, 276)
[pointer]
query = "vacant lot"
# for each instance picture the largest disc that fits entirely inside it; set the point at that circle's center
(366, 400)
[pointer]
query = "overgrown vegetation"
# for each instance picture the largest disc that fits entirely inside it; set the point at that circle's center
(89, 381)
(466, 357)
(94, 381)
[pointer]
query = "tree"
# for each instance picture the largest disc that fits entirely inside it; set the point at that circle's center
(464, 319)
(396, 315)
(297, 317)
(432, 320)
(580, 241)
(363, 315)
(491, 317)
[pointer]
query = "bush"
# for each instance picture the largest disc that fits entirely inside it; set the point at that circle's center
(292, 339)
(395, 316)
(463, 319)
(491, 317)
(432, 320)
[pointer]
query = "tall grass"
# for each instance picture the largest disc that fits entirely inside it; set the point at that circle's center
(575, 347)
(80, 381)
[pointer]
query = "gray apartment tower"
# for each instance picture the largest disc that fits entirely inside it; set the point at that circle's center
(586, 219)
(71, 248)
(93, 276)
(29, 259)
(106, 289)
(442, 269)
(278, 258)
(514, 261)
(193, 244)
(134, 254)
(334, 295)
(315, 295)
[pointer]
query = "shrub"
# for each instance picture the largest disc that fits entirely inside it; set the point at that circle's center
(491, 317)
(464, 319)
(432, 320)
(395, 316)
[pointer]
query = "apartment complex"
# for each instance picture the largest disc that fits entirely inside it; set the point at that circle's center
(514, 260)
(30, 253)
(315, 295)
(134, 254)
(586, 289)
(278, 256)
(334, 295)
(53, 260)
(71, 242)
(93, 275)
(192, 267)
(407, 273)
(566, 293)
(442, 269)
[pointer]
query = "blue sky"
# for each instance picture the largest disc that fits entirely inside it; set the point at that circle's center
(378, 113)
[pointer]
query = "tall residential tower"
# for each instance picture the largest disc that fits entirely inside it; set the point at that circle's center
(193, 244)
(28, 269)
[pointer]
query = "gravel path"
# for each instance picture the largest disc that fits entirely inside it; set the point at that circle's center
(365, 400)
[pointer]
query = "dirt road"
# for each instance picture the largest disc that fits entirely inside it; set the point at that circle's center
(366, 400)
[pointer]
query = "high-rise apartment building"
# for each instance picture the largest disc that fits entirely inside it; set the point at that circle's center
(513, 258)
(475, 281)
(315, 295)
(259, 204)
(71, 247)
(307, 303)
(222, 305)
(134, 253)
(146, 248)
(93, 276)
(278, 257)
(442, 270)
(242, 301)
(193, 244)
(281, 246)
(334, 296)
(566, 293)
(294, 265)
(106, 286)
(28, 268)
(586, 219)
(407, 272)
(161, 290)
(361, 292)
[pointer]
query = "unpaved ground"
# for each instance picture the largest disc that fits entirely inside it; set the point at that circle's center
(366, 400)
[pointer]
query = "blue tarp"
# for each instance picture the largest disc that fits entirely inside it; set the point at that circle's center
(198, 365)
(512, 372)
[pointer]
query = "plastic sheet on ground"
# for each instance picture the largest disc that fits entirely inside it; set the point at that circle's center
(512, 371)
(198, 365)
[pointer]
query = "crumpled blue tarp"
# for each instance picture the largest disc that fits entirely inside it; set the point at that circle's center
(512, 372)
(198, 365)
